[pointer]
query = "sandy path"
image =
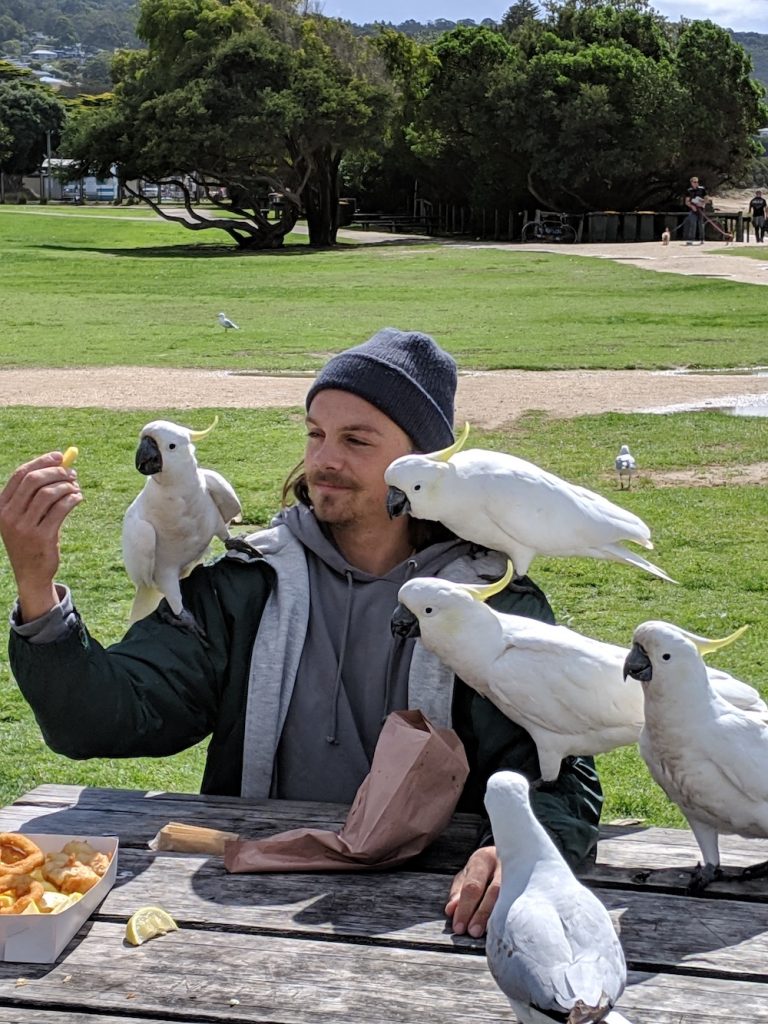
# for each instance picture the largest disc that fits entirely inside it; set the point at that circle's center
(486, 399)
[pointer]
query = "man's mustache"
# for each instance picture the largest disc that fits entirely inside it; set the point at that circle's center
(331, 480)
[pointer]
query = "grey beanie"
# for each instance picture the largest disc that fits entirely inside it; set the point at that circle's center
(406, 375)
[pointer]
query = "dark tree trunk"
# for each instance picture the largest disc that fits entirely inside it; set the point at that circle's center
(321, 198)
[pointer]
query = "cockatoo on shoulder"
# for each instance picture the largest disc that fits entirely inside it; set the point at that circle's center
(507, 504)
(169, 525)
(711, 760)
(565, 689)
(551, 947)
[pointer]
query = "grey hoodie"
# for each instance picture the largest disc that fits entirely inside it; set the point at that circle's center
(352, 671)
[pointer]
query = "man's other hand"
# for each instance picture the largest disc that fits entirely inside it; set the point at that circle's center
(474, 892)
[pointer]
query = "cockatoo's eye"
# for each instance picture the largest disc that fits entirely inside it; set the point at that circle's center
(171, 447)
(666, 657)
(427, 611)
(417, 487)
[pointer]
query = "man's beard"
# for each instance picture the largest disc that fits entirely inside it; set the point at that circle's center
(333, 509)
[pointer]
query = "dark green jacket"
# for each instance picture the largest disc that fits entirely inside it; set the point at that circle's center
(161, 690)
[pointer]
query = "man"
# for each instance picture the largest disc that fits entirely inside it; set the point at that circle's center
(757, 210)
(294, 667)
(695, 200)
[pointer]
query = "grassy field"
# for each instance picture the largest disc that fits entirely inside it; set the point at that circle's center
(112, 288)
(84, 287)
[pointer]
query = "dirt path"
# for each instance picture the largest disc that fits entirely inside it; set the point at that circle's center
(486, 399)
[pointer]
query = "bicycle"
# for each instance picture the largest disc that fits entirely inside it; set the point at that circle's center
(553, 227)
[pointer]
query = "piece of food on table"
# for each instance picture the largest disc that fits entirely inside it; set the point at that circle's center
(148, 922)
(33, 882)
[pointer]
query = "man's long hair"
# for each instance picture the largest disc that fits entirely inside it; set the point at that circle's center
(422, 532)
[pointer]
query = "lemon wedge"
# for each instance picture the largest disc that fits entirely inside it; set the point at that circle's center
(148, 922)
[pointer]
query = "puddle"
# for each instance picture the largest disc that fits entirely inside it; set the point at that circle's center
(731, 405)
(725, 371)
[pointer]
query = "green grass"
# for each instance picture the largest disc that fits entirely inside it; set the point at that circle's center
(711, 539)
(94, 288)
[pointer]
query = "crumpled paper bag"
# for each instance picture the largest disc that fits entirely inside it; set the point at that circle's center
(403, 804)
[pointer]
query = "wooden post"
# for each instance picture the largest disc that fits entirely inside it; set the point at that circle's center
(739, 232)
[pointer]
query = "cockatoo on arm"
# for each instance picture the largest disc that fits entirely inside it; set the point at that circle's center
(565, 689)
(169, 525)
(551, 947)
(510, 505)
(708, 758)
(625, 466)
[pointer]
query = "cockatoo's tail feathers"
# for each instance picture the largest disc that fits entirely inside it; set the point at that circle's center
(198, 435)
(458, 444)
(483, 593)
(618, 553)
(706, 646)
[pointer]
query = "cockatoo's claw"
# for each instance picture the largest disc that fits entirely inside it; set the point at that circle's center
(701, 878)
(185, 620)
(754, 871)
(240, 543)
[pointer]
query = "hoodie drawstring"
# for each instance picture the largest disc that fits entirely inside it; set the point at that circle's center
(332, 735)
(411, 567)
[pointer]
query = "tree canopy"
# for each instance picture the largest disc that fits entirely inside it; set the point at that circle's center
(28, 111)
(239, 100)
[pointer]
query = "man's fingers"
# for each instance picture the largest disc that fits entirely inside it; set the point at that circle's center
(21, 474)
(473, 893)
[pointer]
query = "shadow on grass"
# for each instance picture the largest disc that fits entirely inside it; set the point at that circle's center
(212, 251)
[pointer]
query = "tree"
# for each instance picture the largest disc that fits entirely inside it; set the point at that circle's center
(518, 14)
(235, 101)
(27, 112)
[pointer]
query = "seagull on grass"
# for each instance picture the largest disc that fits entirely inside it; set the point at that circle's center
(226, 323)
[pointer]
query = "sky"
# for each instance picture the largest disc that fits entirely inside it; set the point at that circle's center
(744, 16)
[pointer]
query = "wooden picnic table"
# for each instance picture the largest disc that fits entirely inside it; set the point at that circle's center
(361, 948)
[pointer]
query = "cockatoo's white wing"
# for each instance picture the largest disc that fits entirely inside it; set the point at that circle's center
(563, 680)
(223, 494)
(139, 545)
(736, 692)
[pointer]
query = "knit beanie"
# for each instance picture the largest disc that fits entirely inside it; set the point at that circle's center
(406, 375)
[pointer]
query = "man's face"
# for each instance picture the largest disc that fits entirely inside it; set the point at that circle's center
(349, 445)
(694, 182)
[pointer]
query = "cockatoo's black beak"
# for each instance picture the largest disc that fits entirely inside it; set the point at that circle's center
(638, 665)
(397, 503)
(148, 458)
(404, 623)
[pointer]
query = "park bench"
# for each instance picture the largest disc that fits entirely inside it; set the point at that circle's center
(393, 223)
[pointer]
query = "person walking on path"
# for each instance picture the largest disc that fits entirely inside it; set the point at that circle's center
(757, 206)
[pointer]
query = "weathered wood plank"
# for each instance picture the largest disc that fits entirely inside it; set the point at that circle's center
(196, 975)
(624, 857)
(406, 908)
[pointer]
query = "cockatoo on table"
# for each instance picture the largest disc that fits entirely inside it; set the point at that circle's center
(625, 466)
(551, 947)
(226, 323)
(169, 525)
(711, 760)
(510, 505)
(565, 689)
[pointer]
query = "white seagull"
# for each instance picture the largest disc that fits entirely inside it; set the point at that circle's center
(226, 323)
(625, 466)
(551, 947)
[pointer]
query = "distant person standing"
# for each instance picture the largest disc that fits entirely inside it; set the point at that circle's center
(695, 200)
(757, 205)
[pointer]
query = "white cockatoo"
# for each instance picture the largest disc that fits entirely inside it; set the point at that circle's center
(169, 525)
(625, 466)
(551, 946)
(565, 689)
(510, 505)
(711, 760)
(226, 323)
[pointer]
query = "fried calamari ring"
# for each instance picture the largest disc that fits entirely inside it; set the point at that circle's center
(25, 890)
(31, 854)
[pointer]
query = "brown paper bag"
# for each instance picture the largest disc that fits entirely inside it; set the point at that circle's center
(403, 804)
